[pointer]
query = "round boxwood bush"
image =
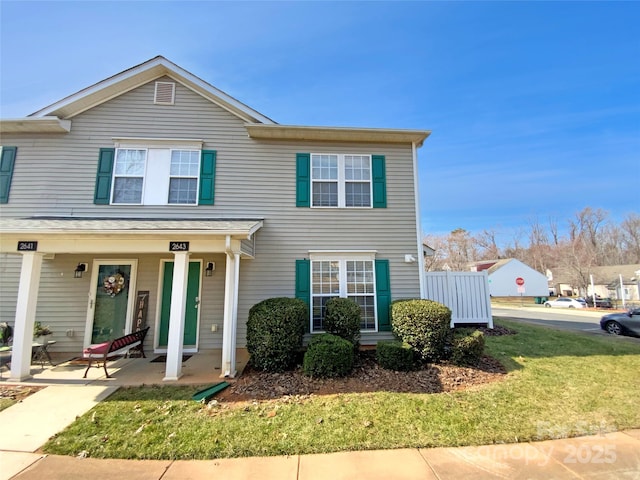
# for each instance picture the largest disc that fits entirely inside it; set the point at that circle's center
(342, 318)
(467, 347)
(275, 328)
(328, 356)
(424, 325)
(395, 355)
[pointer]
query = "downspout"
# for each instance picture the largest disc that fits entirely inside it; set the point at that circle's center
(414, 152)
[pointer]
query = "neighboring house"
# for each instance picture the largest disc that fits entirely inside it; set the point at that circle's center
(511, 278)
(153, 197)
(603, 281)
(428, 251)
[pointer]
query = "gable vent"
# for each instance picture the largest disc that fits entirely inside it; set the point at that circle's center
(165, 93)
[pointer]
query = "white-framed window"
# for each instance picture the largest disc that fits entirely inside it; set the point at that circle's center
(156, 174)
(341, 180)
(128, 175)
(183, 181)
(347, 276)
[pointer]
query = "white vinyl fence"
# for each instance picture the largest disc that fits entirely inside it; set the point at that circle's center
(465, 293)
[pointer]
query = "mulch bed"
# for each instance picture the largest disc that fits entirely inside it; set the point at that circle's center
(367, 376)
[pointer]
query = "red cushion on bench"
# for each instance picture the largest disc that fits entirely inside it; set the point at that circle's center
(100, 348)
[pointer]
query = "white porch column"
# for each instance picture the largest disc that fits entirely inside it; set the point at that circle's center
(173, 369)
(25, 315)
(230, 316)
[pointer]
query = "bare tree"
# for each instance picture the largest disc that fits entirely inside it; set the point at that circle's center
(553, 230)
(487, 245)
(591, 239)
(460, 249)
(435, 262)
(587, 223)
(630, 227)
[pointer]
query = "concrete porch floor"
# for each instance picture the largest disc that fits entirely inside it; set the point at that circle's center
(202, 368)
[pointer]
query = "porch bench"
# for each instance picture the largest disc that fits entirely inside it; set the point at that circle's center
(119, 346)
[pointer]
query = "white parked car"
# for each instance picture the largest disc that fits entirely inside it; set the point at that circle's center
(565, 302)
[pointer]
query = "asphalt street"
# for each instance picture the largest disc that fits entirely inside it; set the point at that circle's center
(566, 319)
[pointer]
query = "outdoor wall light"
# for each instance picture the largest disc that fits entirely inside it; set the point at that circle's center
(82, 267)
(210, 268)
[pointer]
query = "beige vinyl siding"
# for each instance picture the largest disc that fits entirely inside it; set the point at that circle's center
(9, 278)
(55, 174)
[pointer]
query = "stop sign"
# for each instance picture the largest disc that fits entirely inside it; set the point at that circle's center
(520, 281)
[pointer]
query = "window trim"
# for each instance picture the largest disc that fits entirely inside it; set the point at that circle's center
(114, 175)
(343, 257)
(146, 144)
(196, 178)
(341, 180)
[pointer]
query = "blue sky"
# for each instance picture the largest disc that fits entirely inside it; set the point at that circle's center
(534, 106)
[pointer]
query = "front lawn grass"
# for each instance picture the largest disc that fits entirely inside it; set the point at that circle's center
(559, 384)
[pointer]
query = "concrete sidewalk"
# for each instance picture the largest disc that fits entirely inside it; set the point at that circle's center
(27, 425)
(612, 456)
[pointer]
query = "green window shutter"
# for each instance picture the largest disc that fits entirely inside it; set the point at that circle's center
(102, 195)
(303, 179)
(207, 177)
(303, 285)
(7, 161)
(383, 295)
(378, 174)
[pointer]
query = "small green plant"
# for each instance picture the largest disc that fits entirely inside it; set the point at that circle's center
(424, 325)
(395, 355)
(342, 318)
(328, 356)
(467, 347)
(275, 329)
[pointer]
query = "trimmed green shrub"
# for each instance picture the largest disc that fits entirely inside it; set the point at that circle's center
(342, 318)
(395, 355)
(275, 328)
(328, 356)
(467, 347)
(424, 325)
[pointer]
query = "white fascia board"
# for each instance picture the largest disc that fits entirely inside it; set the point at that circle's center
(148, 71)
(103, 84)
(219, 97)
(48, 124)
(336, 134)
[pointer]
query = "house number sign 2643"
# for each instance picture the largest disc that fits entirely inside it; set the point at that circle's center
(178, 246)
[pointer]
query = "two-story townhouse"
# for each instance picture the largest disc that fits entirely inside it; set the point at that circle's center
(153, 197)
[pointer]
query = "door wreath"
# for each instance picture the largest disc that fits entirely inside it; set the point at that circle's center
(113, 284)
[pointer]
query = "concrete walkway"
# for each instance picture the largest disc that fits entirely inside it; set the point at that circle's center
(27, 425)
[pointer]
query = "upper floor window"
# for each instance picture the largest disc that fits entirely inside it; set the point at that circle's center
(128, 175)
(183, 182)
(156, 176)
(340, 180)
(176, 174)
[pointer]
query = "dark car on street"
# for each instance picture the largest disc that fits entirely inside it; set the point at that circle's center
(624, 323)
(600, 302)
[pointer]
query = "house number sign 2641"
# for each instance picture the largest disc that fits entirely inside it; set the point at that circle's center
(27, 246)
(178, 246)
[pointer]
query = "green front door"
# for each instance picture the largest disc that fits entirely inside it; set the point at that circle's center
(191, 310)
